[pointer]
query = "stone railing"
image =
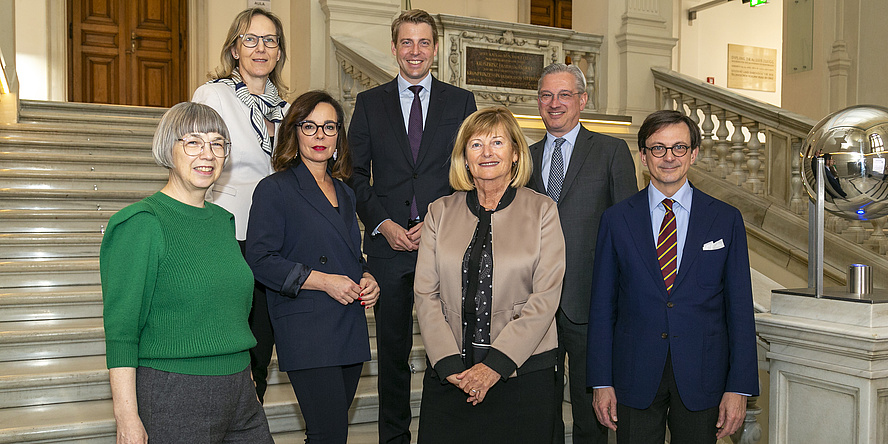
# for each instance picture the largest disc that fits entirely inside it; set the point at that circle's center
(750, 157)
(361, 67)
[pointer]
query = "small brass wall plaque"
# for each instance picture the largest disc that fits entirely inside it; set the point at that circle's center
(752, 68)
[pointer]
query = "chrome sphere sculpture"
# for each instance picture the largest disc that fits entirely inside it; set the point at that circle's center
(853, 144)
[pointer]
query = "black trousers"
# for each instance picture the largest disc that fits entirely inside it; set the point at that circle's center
(572, 341)
(260, 325)
(394, 340)
(514, 411)
(325, 395)
(644, 426)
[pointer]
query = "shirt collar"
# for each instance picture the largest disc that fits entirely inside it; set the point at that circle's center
(403, 84)
(682, 196)
(570, 137)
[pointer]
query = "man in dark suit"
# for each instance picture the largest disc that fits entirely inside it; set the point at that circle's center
(402, 135)
(585, 173)
(671, 327)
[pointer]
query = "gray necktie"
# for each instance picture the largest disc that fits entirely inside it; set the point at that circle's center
(556, 171)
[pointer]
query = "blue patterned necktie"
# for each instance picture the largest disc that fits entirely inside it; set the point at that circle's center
(556, 171)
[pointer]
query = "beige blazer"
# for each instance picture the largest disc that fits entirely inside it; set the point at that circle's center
(528, 264)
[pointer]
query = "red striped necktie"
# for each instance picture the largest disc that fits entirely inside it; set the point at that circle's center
(667, 246)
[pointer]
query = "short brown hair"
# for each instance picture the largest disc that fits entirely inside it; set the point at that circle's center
(665, 117)
(239, 26)
(415, 16)
(482, 122)
(286, 154)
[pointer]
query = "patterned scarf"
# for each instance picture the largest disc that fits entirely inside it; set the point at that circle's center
(267, 105)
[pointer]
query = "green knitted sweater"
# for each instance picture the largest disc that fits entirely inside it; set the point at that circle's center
(176, 289)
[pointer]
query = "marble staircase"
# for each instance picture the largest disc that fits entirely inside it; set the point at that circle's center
(65, 169)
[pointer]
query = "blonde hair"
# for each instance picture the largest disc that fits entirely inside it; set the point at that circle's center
(238, 27)
(483, 122)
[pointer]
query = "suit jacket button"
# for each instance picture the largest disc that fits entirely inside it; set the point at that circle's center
(323, 260)
(415, 176)
(515, 318)
(664, 336)
(670, 304)
(407, 203)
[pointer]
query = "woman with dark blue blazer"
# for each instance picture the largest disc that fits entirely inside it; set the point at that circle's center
(304, 245)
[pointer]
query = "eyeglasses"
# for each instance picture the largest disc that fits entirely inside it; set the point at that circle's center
(310, 128)
(563, 96)
(660, 150)
(194, 145)
(251, 40)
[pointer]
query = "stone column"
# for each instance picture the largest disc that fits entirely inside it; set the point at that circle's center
(644, 40)
(828, 365)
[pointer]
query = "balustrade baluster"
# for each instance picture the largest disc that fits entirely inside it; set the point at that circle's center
(737, 175)
(855, 232)
(722, 147)
(751, 431)
(667, 99)
(679, 103)
(797, 202)
(707, 143)
(754, 181)
(877, 240)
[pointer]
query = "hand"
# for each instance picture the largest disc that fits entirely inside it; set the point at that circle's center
(604, 401)
(369, 290)
(396, 236)
(453, 380)
(415, 233)
(731, 412)
(131, 431)
(477, 381)
(341, 288)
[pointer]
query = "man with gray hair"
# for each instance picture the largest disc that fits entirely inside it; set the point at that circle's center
(585, 173)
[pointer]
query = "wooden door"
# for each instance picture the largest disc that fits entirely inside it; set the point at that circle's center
(557, 13)
(127, 52)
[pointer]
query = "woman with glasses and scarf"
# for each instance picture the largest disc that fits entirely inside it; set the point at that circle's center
(247, 94)
(304, 245)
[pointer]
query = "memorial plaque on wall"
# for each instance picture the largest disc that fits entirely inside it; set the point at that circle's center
(504, 69)
(752, 68)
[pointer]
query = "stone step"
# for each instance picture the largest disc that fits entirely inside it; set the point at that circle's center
(49, 245)
(49, 272)
(24, 142)
(47, 303)
(54, 221)
(28, 340)
(68, 199)
(61, 180)
(33, 111)
(80, 164)
(93, 421)
(108, 132)
(357, 434)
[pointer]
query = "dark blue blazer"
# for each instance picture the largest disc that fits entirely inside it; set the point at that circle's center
(707, 321)
(293, 229)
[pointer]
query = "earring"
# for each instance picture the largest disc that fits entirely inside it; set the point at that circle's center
(335, 152)
(236, 57)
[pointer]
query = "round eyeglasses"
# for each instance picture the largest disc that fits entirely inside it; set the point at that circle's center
(251, 40)
(193, 146)
(660, 150)
(310, 128)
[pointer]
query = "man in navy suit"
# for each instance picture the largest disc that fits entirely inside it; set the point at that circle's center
(402, 135)
(671, 327)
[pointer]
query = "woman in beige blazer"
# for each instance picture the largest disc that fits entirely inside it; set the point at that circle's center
(491, 263)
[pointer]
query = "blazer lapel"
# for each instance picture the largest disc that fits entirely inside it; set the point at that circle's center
(581, 150)
(392, 104)
(536, 155)
(346, 216)
(437, 102)
(699, 223)
(316, 198)
(638, 221)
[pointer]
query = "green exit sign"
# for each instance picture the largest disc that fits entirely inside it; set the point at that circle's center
(754, 3)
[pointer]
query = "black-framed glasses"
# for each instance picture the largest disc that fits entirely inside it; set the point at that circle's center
(660, 150)
(310, 128)
(563, 96)
(194, 145)
(251, 40)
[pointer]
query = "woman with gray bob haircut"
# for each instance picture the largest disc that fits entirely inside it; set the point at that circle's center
(177, 294)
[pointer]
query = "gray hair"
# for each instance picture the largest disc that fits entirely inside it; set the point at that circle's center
(184, 118)
(561, 67)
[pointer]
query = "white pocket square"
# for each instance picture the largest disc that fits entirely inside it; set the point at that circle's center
(714, 245)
